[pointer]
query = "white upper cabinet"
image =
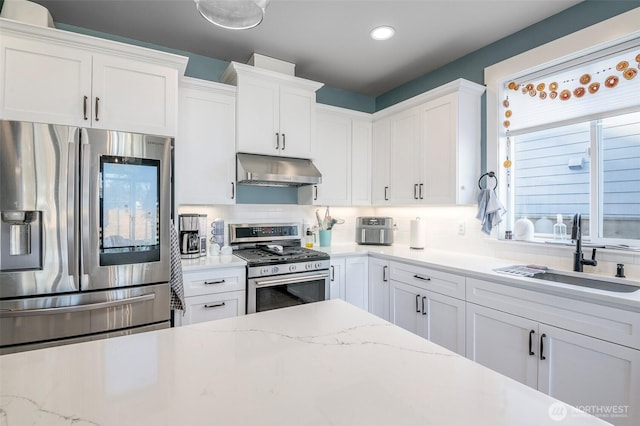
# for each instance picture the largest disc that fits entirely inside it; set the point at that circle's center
(275, 112)
(205, 146)
(342, 153)
(58, 77)
(426, 150)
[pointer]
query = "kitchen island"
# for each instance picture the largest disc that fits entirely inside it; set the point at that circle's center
(325, 363)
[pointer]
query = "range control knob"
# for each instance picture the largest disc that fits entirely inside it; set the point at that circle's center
(308, 266)
(292, 268)
(275, 270)
(318, 265)
(264, 271)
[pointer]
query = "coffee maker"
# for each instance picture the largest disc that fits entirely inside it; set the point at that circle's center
(192, 230)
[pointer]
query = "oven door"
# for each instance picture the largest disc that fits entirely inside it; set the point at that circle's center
(281, 291)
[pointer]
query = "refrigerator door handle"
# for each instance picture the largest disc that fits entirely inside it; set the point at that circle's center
(71, 207)
(77, 308)
(85, 210)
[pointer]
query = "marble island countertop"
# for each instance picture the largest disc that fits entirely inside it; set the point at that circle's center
(325, 363)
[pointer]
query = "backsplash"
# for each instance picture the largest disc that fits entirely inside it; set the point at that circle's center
(444, 227)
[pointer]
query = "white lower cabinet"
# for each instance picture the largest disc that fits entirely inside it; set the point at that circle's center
(212, 294)
(595, 375)
(348, 280)
(379, 287)
(438, 318)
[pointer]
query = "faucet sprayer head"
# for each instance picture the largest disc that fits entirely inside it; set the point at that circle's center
(575, 227)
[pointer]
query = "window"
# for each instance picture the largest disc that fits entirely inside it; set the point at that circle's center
(563, 170)
(572, 145)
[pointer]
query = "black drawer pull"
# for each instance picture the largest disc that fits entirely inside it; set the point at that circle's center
(214, 282)
(217, 305)
(424, 312)
(422, 278)
(542, 346)
(418, 303)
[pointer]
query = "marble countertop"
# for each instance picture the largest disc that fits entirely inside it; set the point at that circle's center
(325, 363)
(482, 267)
(207, 262)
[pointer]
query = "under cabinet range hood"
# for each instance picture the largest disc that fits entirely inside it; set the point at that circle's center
(266, 170)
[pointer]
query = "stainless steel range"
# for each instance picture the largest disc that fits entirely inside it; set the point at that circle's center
(280, 273)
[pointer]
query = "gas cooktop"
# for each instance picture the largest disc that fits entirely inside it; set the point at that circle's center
(274, 254)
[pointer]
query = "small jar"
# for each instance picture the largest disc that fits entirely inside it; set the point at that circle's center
(308, 240)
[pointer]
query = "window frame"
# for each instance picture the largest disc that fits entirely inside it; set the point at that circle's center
(602, 35)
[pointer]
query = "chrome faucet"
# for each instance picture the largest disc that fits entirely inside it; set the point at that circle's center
(578, 256)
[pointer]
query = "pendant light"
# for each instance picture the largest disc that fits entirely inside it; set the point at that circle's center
(233, 14)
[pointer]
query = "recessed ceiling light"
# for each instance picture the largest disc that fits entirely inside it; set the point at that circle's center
(383, 32)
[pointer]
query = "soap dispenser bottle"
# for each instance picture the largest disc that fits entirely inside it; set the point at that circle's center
(559, 229)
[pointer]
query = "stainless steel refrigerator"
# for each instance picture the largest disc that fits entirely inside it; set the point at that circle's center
(84, 234)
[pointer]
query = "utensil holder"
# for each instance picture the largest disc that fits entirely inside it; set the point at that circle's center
(325, 238)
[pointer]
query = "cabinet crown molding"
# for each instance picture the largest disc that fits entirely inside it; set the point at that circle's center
(94, 44)
(457, 86)
(235, 69)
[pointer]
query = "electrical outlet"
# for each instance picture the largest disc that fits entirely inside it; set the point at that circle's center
(461, 228)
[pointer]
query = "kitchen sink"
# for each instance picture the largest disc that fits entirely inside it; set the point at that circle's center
(541, 273)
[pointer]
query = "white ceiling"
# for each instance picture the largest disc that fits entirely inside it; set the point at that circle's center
(328, 40)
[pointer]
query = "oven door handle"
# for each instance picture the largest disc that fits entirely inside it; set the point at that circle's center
(278, 281)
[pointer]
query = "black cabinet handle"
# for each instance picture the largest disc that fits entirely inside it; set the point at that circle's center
(423, 310)
(284, 141)
(384, 273)
(531, 333)
(97, 103)
(217, 305)
(542, 346)
(277, 140)
(233, 190)
(315, 191)
(214, 282)
(386, 195)
(415, 191)
(84, 107)
(422, 278)
(420, 190)
(333, 273)
(418, 303)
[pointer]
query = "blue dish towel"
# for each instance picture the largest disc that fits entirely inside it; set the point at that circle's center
(177, 287)
(490, 210)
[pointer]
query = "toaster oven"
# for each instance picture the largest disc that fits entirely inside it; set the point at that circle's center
(374, 231)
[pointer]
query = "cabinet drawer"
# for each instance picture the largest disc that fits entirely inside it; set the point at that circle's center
(429, 279)
(213, 281)
(603, 322)
(213, 307)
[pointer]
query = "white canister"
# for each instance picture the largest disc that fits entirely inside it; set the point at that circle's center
(523, 229)
(418, 234)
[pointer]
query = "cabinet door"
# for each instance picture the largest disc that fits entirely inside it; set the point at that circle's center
(297, 121)
(405, 306)
(205, 148)
(380, 153)
(379, 288)
(504, 343)
(212, 307)
(258, 116)
(356, 281)
(134, 96)
(332, 156)
(360, 163)
(591, 373)
(446, 322)
(439, 161)
(337, 279)
(405, 157)
(44, 82)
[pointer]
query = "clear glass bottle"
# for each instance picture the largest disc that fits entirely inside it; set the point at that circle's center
(308, 241)
(559, 229)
